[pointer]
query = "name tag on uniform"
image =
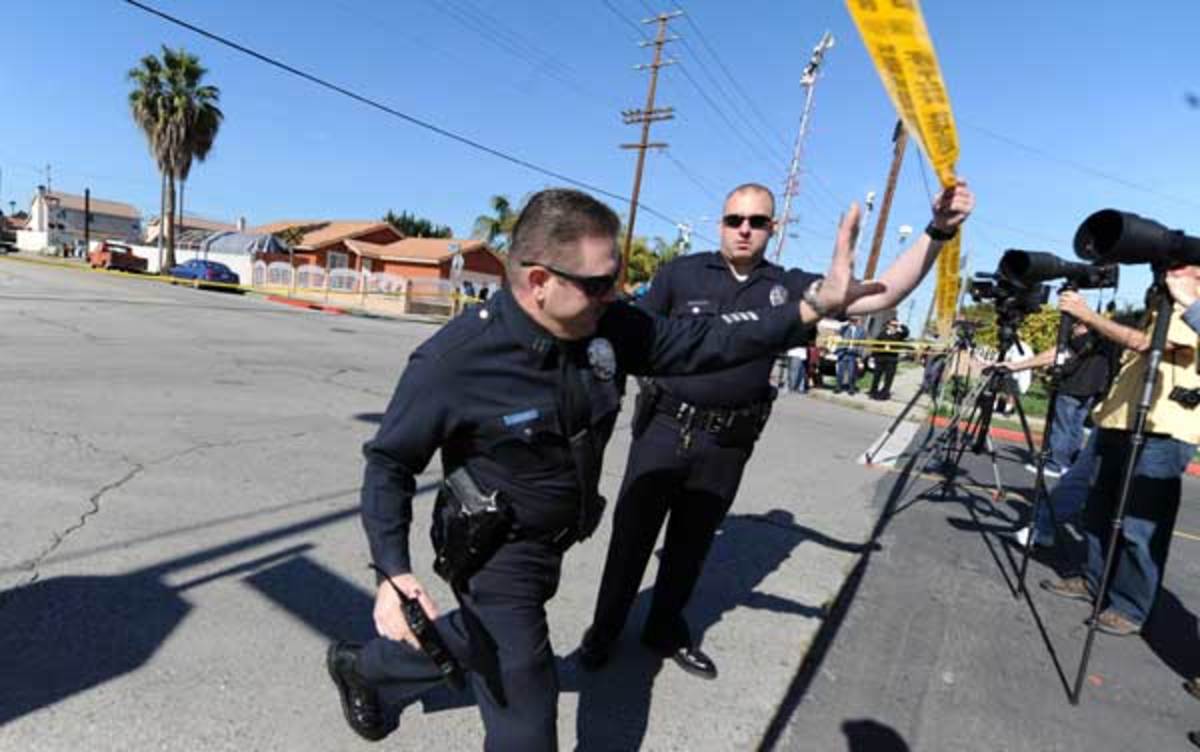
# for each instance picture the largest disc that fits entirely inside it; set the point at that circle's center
(517, 419)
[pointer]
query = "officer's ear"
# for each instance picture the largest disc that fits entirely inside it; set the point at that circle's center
(536, 281)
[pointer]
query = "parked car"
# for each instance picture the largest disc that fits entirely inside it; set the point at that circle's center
(109, 255)
(205, 272)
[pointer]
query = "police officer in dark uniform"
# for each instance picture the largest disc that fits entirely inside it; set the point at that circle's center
(887, 360)
(522, 393)
(694, 434)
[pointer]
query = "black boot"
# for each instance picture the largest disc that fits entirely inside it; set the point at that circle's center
(360, 701)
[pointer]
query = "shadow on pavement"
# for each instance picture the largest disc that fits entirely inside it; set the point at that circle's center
(614, 703)
(1172, 633)
(865, 735)
(837, 613)
(68, 634)
(65, 635)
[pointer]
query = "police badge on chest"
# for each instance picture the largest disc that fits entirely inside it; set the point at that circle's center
(602, 359)
(779, 295)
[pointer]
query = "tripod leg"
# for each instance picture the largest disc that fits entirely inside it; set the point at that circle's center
(999, 495)
(1158, 341)
(870, 455)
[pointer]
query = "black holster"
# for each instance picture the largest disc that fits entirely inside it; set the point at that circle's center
(587, 470)
(469, 526)
(645, 406)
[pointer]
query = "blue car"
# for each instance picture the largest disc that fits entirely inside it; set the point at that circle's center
(203, 272)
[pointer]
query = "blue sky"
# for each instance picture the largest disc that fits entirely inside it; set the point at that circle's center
(1062, 108)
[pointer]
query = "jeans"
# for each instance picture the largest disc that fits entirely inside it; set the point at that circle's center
(797, 374)
(846, 372)
(1069, 493)
(1066, 435)
(1141, 555)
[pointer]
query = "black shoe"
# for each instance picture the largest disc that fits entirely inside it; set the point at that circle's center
(360, 701)
(1193, 687)
(1194, 738)
(695, 662)
(592, 656)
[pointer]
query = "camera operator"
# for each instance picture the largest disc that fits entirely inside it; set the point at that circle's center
(1172, 431)
(1086, 372)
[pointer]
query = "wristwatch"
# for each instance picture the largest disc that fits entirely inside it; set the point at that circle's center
(938, 234)
(810, 297)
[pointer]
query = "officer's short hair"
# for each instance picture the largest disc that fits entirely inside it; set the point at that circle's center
(756, 187)
(552, 221)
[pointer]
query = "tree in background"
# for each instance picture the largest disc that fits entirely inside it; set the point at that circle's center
(496, 228)
(1039, 329)
(645, 258)
(412, 226)
(179, 116)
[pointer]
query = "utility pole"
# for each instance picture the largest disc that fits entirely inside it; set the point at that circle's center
(48, 189)
(87, 220)
(808, 81)
(646, 117)
(899, 141)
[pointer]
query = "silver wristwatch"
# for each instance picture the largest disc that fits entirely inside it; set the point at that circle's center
(810, 297)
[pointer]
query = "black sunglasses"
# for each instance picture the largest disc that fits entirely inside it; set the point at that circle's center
(757, 221)
(593, 287)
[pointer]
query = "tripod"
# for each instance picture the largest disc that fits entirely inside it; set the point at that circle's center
(1162, 321)
(956, 439)
(1041, 495)
(931, 385)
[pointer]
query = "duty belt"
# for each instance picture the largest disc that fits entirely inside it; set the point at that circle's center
(714, 420)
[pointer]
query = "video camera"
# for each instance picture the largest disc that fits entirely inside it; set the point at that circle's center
(1116, 237)
(1008, 295)
(1030, 267)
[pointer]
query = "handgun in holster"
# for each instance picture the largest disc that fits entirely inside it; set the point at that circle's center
(427, 635)
(644, 406)
(469, 526)
(585, 457)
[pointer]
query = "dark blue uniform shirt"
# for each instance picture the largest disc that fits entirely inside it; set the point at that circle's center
(486, 390)
(701, 286)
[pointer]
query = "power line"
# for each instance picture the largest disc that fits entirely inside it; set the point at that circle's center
(1080, 167)
(737, 87)
(706, 189)
(374, 104)
(721, 113)
(617, 12)
(691, 80)
(838, 204)
(722, 92)
(498, 35)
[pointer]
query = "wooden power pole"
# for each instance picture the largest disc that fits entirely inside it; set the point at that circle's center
(899, 141)
(646, 117)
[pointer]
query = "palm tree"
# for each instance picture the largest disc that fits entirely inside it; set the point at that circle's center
(180, 119)
(496, 228)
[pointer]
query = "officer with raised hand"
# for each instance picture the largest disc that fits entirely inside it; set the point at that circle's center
(521, 395)
(693, 434)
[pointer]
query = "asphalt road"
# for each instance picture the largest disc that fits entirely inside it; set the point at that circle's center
(934, 652)
(179, 536)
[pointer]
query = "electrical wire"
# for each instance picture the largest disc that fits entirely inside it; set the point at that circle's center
(411, 119)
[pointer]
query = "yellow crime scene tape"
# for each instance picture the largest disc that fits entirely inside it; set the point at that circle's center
(880, 345)
(895, 35)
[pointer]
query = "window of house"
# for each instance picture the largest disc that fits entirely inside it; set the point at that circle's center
(339, 260)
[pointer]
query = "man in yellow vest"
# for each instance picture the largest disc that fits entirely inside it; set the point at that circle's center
(1172, 433)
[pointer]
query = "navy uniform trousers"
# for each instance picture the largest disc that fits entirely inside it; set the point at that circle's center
(500, 632)
(695, 488)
